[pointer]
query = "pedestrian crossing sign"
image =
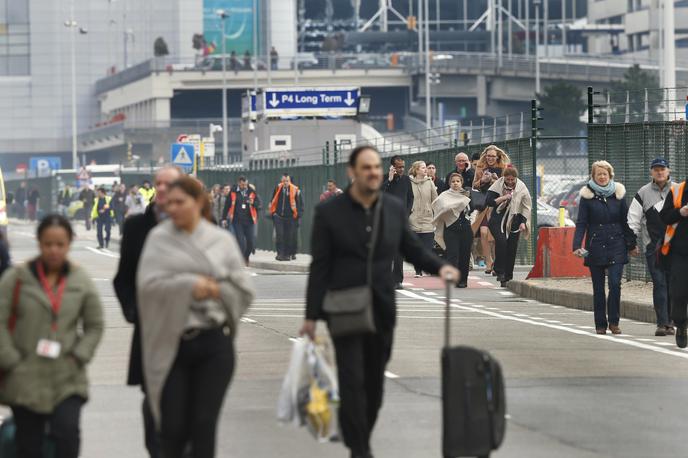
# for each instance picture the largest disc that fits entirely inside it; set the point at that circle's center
(183, 155)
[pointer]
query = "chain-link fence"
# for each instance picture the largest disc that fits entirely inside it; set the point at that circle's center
(631, 146)
(439, 146)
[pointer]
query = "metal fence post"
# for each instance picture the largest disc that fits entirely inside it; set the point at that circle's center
(327, 152)
(609, 108)
(628, 107)
(533, 150)
(591, 114)
(335, 152)
(646, 118)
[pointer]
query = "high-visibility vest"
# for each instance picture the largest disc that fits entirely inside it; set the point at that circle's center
(94, 209)
(293, 190)
(147, 194)
(677, 191)
(252, 208)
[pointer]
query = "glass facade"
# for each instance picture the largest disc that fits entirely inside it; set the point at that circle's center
(14, 38)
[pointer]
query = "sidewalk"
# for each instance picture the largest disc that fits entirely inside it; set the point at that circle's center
(636, 296)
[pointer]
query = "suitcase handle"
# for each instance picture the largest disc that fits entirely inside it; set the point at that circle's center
(447, 318)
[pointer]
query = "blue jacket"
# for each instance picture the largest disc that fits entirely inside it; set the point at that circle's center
(603, 223)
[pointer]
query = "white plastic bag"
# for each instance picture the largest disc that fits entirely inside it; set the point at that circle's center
(310, 393)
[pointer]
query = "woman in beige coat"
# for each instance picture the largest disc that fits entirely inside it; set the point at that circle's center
(424, 194)
(51, 321)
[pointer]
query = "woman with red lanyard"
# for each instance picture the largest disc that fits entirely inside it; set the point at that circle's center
(51, 321)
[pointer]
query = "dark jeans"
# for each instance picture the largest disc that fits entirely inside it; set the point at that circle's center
(679, 289)
(361, 362)
(285, 235)
(63, 424)
(398, 269)
(150, 435)
(103, 224)
(193, 394)
(610, 306)
(119, 220)
(87, 216)
(505, 248)
(459, 241)
(427, 239)
(245, 234)
(660, 290)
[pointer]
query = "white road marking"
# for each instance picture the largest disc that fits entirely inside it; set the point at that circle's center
(485, 283)
(506, 293)
(609, 338)
(247, 320)
(102, 252)
(429, 293)
(391, 375)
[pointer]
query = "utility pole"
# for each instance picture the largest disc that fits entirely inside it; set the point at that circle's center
(223, 15)
(545, 28)
(527, 5)
(428, 108)
(255, 45)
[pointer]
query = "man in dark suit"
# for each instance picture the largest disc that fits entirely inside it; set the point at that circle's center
(398, 184)
(136, 229)
(342, 231)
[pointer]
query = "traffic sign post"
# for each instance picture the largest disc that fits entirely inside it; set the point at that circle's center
(311, 101)
(183, 155)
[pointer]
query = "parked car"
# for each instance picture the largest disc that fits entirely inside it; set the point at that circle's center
(548, 216)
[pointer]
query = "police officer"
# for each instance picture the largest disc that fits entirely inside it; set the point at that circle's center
(102, 214)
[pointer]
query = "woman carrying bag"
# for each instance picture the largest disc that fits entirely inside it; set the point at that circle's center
(602, 220)
(453, 231)
(512, 207)
(489, 169)
(51, 321)
(424, 194)
(192, 290)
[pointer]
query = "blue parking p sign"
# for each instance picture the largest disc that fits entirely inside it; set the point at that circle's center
(182, 155)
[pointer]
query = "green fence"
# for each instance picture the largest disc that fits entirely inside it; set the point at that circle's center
(47, 189)
(630, 148)
(313, 179)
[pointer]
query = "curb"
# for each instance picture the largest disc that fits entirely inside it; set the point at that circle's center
(582, 301)
(279, 266)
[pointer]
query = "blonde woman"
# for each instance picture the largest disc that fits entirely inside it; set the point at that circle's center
(602, 220)
(492, 163)
(424, 194)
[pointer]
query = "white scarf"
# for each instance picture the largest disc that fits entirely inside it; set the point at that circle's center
(520, 204)
(447, 208)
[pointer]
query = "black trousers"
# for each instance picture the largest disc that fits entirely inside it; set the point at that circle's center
(459, 240)
(150, 435)
(679, 289)
(87, 216)
(63, 425)
(285, 235)
(427, 239)
(505, 248)
(244, 231)
(193, 394)
(398, 269)
(361, 362)
(103, 224)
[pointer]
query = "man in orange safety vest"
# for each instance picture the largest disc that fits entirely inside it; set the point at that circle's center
(286, 209)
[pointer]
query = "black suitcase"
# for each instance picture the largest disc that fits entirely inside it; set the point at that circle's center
(473, 400)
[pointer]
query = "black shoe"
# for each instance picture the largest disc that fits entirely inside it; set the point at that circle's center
(681, 337)
(503, 283)
(293, 257)
(399, 286)
(107, 244)
(462, 285)
(100, 247)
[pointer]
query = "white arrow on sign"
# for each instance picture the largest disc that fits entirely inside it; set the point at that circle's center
(274, 102)
(348, 100)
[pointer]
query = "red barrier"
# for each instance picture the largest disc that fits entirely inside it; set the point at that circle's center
(555, 256)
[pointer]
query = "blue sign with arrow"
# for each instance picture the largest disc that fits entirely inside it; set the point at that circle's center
(311, 101)
(183, 155)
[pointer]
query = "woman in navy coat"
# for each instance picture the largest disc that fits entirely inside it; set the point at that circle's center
(608, 240)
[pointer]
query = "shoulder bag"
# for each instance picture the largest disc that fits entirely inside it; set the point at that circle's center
(350, 310)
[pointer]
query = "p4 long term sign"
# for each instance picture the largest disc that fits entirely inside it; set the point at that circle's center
(330, 101)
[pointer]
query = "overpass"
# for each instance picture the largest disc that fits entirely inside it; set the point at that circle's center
(158, 93)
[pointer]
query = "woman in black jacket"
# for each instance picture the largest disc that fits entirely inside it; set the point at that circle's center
(602, 220)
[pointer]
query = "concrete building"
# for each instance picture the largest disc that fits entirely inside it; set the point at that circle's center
(639, 24)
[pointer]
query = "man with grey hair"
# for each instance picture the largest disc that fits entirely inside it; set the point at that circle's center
(464, 168)
(136, 229)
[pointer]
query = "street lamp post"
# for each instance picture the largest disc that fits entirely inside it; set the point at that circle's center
(536, 3)
(428, 108)
(73, 29)
(222, 14)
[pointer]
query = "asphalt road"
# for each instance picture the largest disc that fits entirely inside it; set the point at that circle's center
(570, 392)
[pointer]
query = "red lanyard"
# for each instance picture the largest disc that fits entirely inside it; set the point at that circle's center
(55, 298)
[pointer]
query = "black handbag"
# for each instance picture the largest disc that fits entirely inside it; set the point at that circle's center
(350, 310)
(478, 200)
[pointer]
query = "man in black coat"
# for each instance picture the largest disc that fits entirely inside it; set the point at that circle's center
(464, 168)
(136, 229)
(399, 185)
(342, 231)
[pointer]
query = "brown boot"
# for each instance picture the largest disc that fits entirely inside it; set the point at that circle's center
(615, 329)
(601, 331)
